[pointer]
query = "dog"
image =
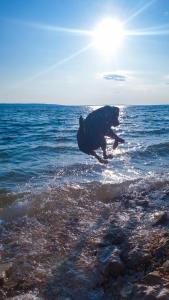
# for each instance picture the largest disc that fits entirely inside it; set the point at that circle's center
(92, 131)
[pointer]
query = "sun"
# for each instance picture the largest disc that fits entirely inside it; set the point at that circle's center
(108, 36)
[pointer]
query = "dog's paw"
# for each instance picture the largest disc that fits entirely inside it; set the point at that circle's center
(110, 156)
(120, 140)
(103, 161)
(115, 144)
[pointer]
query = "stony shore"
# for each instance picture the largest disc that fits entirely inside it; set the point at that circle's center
(117, 250)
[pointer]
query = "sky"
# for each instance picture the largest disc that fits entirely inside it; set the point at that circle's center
(62, 52)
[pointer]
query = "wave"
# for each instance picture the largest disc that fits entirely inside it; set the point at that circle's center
(148, 132)
(33, 201)
(157, 150)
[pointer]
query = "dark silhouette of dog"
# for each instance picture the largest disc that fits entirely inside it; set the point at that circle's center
(92, 131)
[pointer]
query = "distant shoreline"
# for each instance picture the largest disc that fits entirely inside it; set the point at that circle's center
(57, 104)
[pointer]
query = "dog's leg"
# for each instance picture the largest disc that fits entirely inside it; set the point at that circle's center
(101, 160)
(103, 147)
(117, 139)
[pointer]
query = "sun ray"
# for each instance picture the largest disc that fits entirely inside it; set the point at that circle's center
(54, 66)
(59, 29)
(156, 30)
(41, 26)
(139, 11)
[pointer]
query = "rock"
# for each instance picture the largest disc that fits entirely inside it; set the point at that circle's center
(28, 296)
(126, 291)
(149, 297)
(114, 267)
(136, 258)
(4, 272)
(153, 278)
(115, 236)
(144, 292)
(161, 219)
(163, 248)
(105, 253)
(96, 294)
(163, 294)
(109, 262)
(143, 202)
(165, 267)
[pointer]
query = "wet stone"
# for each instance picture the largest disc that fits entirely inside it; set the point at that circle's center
(161, 219)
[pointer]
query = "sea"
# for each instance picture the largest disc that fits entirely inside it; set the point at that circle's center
(52, 195)
(38, 147)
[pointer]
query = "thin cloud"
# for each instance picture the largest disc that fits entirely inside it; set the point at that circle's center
(115, 77)
(166, 79)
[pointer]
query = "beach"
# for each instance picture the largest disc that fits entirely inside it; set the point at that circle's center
(72, 228)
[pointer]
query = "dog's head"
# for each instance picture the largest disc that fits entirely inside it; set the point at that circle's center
(112, 115)
(116, 117)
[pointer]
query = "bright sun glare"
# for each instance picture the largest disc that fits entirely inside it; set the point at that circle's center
(108, 36)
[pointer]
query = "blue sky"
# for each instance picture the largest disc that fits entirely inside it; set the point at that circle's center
(46, 55)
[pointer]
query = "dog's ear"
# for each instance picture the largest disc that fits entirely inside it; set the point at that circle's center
(82, 124)
(116, 110)
(81, 121)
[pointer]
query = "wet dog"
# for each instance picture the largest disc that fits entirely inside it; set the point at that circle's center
(92, 131)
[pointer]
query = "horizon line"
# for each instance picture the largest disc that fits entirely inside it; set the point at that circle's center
(103, 104)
